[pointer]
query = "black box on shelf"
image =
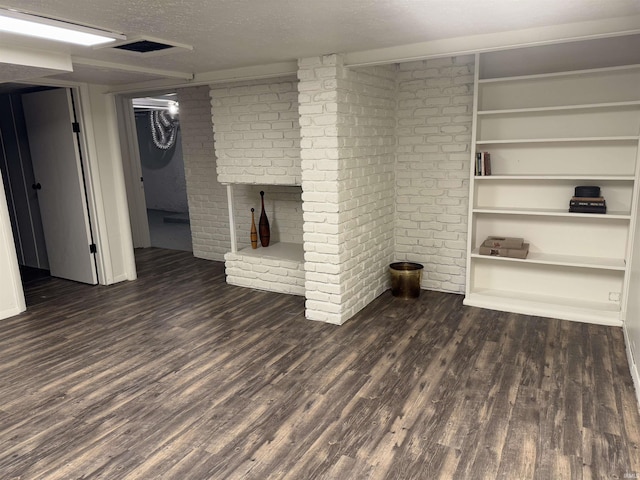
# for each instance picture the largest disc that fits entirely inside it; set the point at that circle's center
(587, 191)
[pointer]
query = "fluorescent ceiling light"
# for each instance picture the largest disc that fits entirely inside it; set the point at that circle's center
(156, 104)
(57, 30)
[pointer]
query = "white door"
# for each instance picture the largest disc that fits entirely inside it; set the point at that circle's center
(59, 181)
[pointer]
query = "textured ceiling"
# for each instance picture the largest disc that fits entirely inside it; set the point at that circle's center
(235, 33)
(11, 73)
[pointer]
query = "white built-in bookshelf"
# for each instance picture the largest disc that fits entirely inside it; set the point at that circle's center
(546, 134)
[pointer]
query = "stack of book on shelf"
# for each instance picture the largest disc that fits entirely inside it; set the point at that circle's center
(483, 164)
(504, 247)
(593, 203)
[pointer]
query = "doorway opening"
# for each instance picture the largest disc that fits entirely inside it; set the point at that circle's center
(18, 177)
(43, 174)
(163, 190)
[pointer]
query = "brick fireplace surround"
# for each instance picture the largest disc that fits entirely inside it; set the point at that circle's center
(361, 167)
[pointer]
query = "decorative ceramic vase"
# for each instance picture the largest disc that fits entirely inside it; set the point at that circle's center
(254, 232)
(263, 225)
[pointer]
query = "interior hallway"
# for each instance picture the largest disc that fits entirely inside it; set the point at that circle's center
(169, 230)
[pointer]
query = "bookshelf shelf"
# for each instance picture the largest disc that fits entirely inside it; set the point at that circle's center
(603, 313)
(617, 264)
(562, 74)
(625, 138)
(546, 134)
(605, 178)
(292, 252)
(612, 215)
(559, 108)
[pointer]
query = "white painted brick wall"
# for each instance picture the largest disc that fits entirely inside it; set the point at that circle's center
(318, 98)
(347, 120)
(435, 106)
(207, 198)
(368, 128)
(264, 273)
(257, 134)
(353, 125)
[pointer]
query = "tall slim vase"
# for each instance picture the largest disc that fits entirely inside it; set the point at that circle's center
(254, 231)
(263, 225)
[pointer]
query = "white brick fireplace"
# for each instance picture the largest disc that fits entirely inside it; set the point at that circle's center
(360, 167)
(347, 120)
(257, 142)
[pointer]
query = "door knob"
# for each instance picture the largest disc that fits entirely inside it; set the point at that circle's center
(36, 186)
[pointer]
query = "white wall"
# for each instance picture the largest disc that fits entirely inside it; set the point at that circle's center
(360, 129)
(257, 131)
(435, 107)
(11, 294)
(109, 209)
(632, 320)
(347, 120)
(207, 198)
(368, 129)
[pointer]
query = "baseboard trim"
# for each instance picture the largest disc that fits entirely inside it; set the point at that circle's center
(11, 312)
(633, 368)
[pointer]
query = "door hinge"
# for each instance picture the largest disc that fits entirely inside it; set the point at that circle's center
(76, 127)
(93, 248)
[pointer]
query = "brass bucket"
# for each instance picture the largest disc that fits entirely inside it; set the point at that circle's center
(405, 279)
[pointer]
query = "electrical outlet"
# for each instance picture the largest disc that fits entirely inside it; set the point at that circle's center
(614, 296)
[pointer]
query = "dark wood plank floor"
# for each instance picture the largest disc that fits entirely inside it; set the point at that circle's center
(180, 376)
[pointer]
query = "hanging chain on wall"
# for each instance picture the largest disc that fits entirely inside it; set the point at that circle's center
(164, 129)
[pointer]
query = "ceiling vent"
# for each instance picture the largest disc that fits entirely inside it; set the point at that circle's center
(144, 46)
(147, 46)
